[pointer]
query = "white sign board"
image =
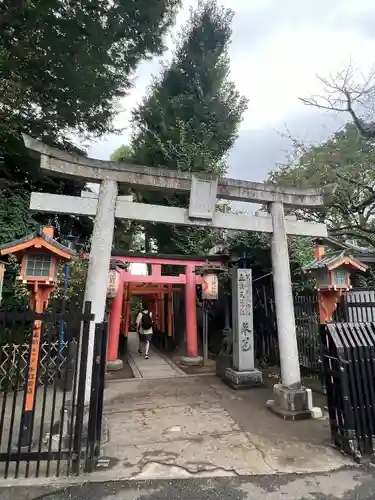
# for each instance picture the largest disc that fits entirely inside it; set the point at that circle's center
(242, 322)
(210, 287)
(202, 197)
(113, 283)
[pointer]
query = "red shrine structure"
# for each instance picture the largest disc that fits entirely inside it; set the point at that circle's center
(157, 290)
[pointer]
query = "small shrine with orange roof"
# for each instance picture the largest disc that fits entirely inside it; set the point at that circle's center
(39, 255)
(332, 272)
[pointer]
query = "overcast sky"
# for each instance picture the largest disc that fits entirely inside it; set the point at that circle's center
(278, 48)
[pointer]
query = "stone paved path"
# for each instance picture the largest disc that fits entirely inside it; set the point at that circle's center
(155, 367)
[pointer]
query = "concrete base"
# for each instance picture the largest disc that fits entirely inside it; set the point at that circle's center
(316, 413)
(115, 365)
(243, 379)
(291, 404)
(196, 361)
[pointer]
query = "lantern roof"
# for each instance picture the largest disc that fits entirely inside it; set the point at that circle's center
(39, 239)
(334, 260)
(210, 268)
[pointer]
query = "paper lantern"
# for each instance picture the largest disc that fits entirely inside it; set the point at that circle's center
(210, 287)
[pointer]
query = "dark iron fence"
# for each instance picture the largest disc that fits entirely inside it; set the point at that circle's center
(348, 354)
(45, 428)
(265, 329)
(266, 345)
(95, 416)
(306, 312)
(356, 306)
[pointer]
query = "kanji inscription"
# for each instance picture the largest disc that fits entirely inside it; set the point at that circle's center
(243, 339)
(245, 309)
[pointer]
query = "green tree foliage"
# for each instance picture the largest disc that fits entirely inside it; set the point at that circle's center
(123, 153)
(257, 247)
(64, 63)
(126, 235)
(76, 282)
(346, 159)
(190, 117)
(63, 66)
(15, 218)
(15, 222)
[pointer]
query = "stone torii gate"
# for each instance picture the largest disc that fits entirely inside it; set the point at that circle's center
(204, 190)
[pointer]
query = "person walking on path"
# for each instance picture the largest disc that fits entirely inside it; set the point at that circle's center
(144, 324)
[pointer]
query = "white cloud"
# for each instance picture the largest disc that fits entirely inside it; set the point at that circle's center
(278, 49)
(286, 67)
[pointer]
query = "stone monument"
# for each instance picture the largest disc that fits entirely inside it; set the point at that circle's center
(243, 373)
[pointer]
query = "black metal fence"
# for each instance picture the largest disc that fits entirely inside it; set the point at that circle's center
(306, 312)
(356, 306)
(95, 416)
(46, 426)
(348, 354)
(266, 344)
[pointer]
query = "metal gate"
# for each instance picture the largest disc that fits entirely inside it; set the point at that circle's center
(265, 329)
(348, 352)
(45, 428)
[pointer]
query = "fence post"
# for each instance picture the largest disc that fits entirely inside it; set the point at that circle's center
(94, 400)
(79, 400)
(102, 368)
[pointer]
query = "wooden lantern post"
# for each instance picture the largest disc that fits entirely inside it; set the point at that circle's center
(39, 255)
(332, 274)
(210, 292)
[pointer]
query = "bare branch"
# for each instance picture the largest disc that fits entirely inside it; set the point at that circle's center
(345, 92)
(353, 233)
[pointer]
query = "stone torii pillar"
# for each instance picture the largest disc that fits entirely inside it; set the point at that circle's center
(286, 326)
(291, 399)
(99, 262)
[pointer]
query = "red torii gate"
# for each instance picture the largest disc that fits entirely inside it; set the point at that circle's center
(155, 286)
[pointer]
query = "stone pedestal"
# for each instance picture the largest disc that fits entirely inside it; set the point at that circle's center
(291, 404)
(191, 361)
(243, 379)
(114, 365)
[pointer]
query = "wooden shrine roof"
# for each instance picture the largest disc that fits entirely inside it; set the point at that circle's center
(48, 243)
(333, 260)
